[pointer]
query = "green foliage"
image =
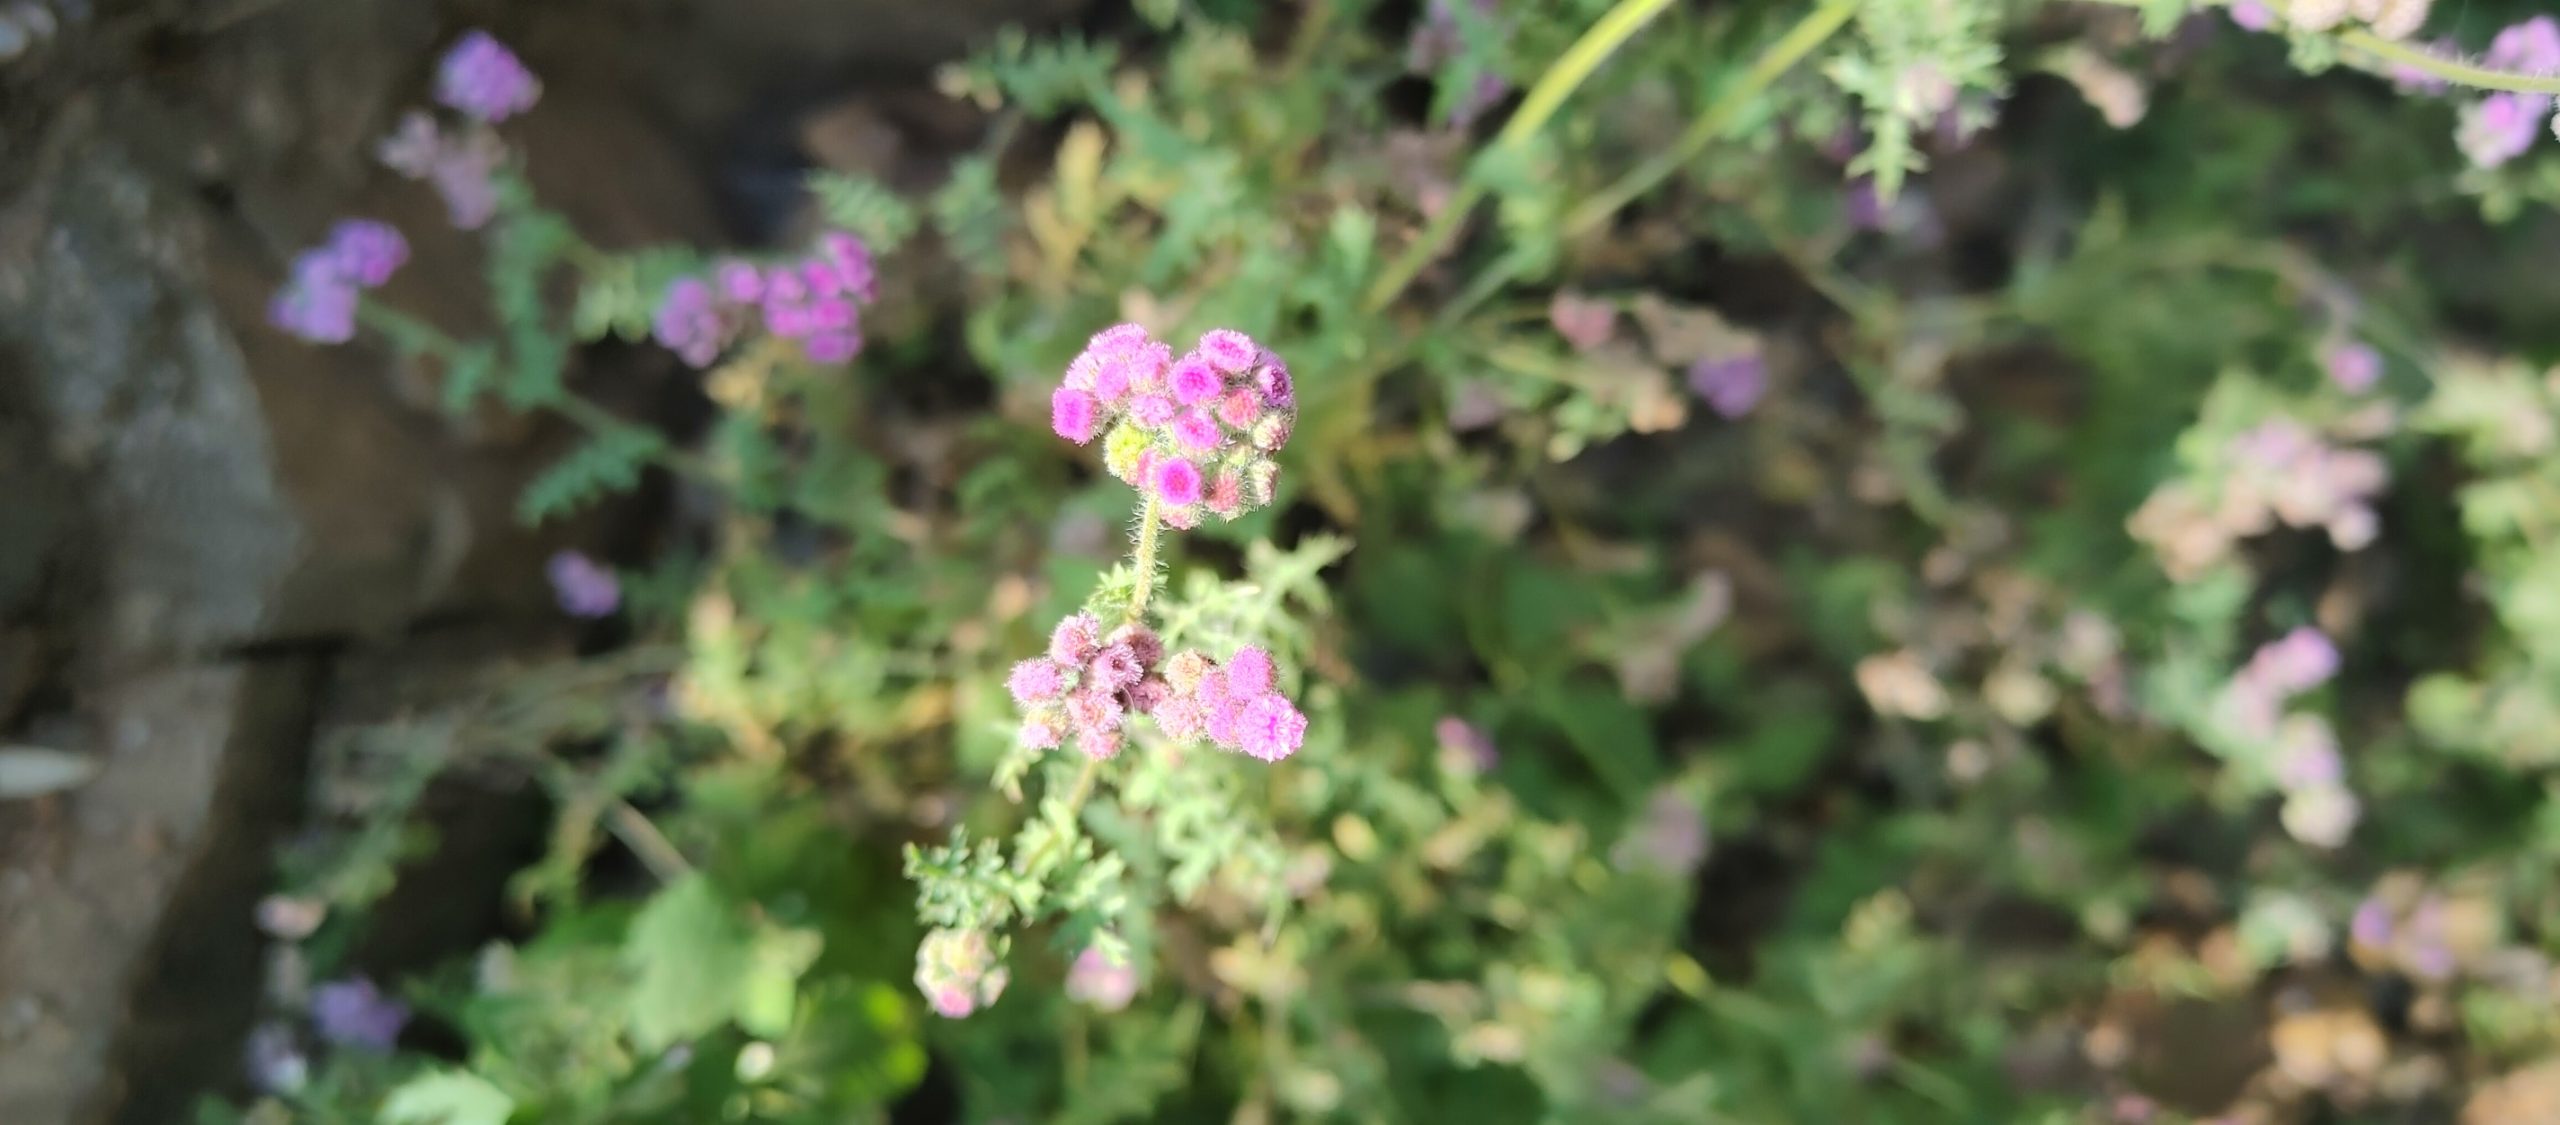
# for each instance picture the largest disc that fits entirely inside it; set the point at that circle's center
(1849, 750)
(609, 462)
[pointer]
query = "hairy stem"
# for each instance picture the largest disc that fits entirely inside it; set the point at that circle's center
(1711, 125)
(2451, 70)
(1143, 560)
(585, 413)
(1563, 76)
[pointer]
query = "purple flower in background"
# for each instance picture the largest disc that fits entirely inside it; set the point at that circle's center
(354, 1013)
(585, 588)
(1583, 322)
(462, 167)
(689, 324)
(2296, 662)
(2499, 128)
(319, 302)
(2532, 47)
(2371, 925)
(1731, 385)
(1464, 748)
(1669, 837)
(483, 79)
(2355, 367)
(318, 306)
(276, 1063)
(365, 251)
(2252, 15)
(1094, 980)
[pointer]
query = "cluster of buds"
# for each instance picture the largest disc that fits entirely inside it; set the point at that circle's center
(816, 300)
(2280, 471)
(959, 972)
(2301, 749)
(1086, 687)
(1194, 434)
(1236, 705)
(484, 82)
(319, 302)
(2502, 126)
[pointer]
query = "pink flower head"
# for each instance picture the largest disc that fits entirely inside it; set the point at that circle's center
(1211, 686)
(1176, 481)
(1115, 668)
(1223, 719)
(688, 323)
(2499, 128)
(1272, 729)
(1196, 432)
(484, 80)
(366, 252)
(831, 346)
(1585, 323)
(958, 972)
(1041, 733)
(1732, 385)
(1142, 642)
(584, 587)
(1118, 337)
(1250, 672)
(2252, 15)
(2532, 47)
(1272, 379)
(1147, 695)
(1226, 494)
(2353, 366)
(1093, 710)
(1152, 411)
(739, 283)
(1228, 350)
(1074, 414)
(1035, 680)
(317, 306)
(1193, 379)
(1099, 745)
(1148, 364)
(1239, 408)
(354, 1013)
(2296, 662)
(1110, 375)
(848, 264)
(1094, 979)
(1075, 640)
(1180, 718)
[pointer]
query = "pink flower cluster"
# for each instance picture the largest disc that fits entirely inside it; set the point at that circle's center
(2301, 750)
(2390, 19)
(462, 165)
(1096, 980)
(1195, 433)
(319, 302)
(2280, 471)
(1086, 687)
(2502, 126)
(1237, 705)
(485, 80)
(1084, 690)
(488, 84)
(959, 972)
(815, 300)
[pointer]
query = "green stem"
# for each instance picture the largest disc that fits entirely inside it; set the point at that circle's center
(1143, 560)
(2451, 70)
(585, 413)
(1710, 125)
(1563, 76)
